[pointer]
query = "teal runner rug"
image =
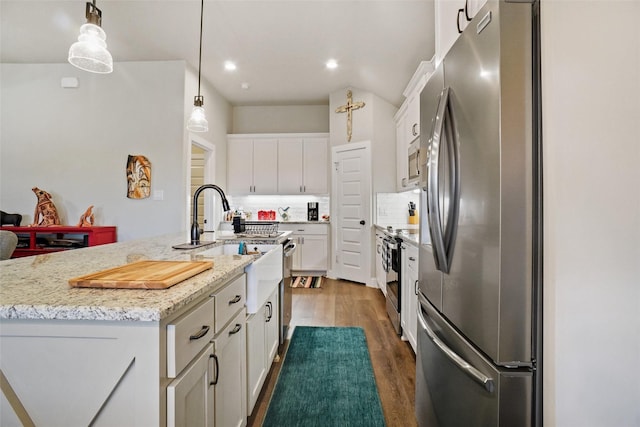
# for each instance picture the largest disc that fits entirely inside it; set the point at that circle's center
(326, 380)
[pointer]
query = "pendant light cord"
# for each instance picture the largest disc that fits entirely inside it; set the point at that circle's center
(200, 54)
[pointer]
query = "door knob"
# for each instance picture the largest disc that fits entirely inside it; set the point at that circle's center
(362, 222)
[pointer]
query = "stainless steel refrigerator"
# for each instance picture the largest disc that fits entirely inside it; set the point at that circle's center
(479, 317)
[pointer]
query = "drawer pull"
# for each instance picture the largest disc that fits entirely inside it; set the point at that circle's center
(200, 334)
(236, 329)
(411, 258)
(217, 369)
(236, 299)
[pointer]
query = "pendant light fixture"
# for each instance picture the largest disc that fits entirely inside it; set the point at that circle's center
(90, 52)
(198, 122)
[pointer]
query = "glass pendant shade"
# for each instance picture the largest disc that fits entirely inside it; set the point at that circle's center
(90, 52)
(197, 122)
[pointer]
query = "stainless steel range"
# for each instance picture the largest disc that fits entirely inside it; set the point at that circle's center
(391, 256)
(289, 248)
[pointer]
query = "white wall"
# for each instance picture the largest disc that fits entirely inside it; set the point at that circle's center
(372, 123)
(74, 143)
(281, 119)
(591, 119)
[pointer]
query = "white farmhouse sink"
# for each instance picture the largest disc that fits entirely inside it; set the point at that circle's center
(263, 275)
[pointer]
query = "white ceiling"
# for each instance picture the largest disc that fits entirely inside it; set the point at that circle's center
(280, 47)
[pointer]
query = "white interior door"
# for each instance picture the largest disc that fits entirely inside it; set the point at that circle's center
(351, 187)
(201, 170)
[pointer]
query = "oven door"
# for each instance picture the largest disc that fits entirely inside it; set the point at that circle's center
(391, 260)
(286, 292)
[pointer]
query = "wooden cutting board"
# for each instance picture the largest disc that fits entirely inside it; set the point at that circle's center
(142, 275)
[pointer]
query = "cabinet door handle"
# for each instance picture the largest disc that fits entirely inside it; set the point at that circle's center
(236, 329)
(413, 129)
(236, 299)
(269, 306)
(216, 369)
(411, 258)
(415, 287)
(301, 188)
(304, 188)
(466, 10)
(200, 333)
(458, 20)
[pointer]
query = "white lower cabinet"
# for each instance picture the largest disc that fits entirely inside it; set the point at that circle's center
(187, 370)
(272, 327)
(190, 398)
(263, 338)
(210, 390)
(230, 374)
(409, 297)
(312, 252)
(256, 358)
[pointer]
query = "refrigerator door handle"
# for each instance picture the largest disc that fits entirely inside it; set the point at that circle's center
(462, 364)
(451, 230)
(444, 240)
(433, 184)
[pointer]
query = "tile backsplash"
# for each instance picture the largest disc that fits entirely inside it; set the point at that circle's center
(390, 208)
(297, 205)
(393, 208)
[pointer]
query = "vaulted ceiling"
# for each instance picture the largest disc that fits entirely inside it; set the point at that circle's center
(280, 47)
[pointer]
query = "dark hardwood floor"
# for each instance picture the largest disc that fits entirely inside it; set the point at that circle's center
(343, 303)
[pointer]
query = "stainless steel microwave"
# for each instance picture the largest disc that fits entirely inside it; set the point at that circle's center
(413, 152)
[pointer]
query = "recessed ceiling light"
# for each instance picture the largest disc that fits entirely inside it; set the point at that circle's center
(245, 86)
(229, 66)
(332, 64)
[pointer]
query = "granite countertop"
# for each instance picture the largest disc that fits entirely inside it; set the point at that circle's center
(229, 237)
(37, 287)
(409, 233)
(292, 221)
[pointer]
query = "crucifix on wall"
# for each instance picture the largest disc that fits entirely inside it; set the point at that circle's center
(348, 108)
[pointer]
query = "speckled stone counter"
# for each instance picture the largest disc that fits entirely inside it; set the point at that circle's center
(409, 233)
(37, 287)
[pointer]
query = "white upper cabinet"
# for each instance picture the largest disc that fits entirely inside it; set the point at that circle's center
(408, 123)
(265, 166)
(290, 153)
(412, 124)
(451, 18)
(316, 166)
(303, 165)
(239, 165)
(401, 148)
(278, 164)
(252, 166)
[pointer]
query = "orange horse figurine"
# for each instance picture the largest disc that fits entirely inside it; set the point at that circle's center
(86, 220)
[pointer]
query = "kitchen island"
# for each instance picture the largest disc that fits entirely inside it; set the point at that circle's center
(84, 356)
